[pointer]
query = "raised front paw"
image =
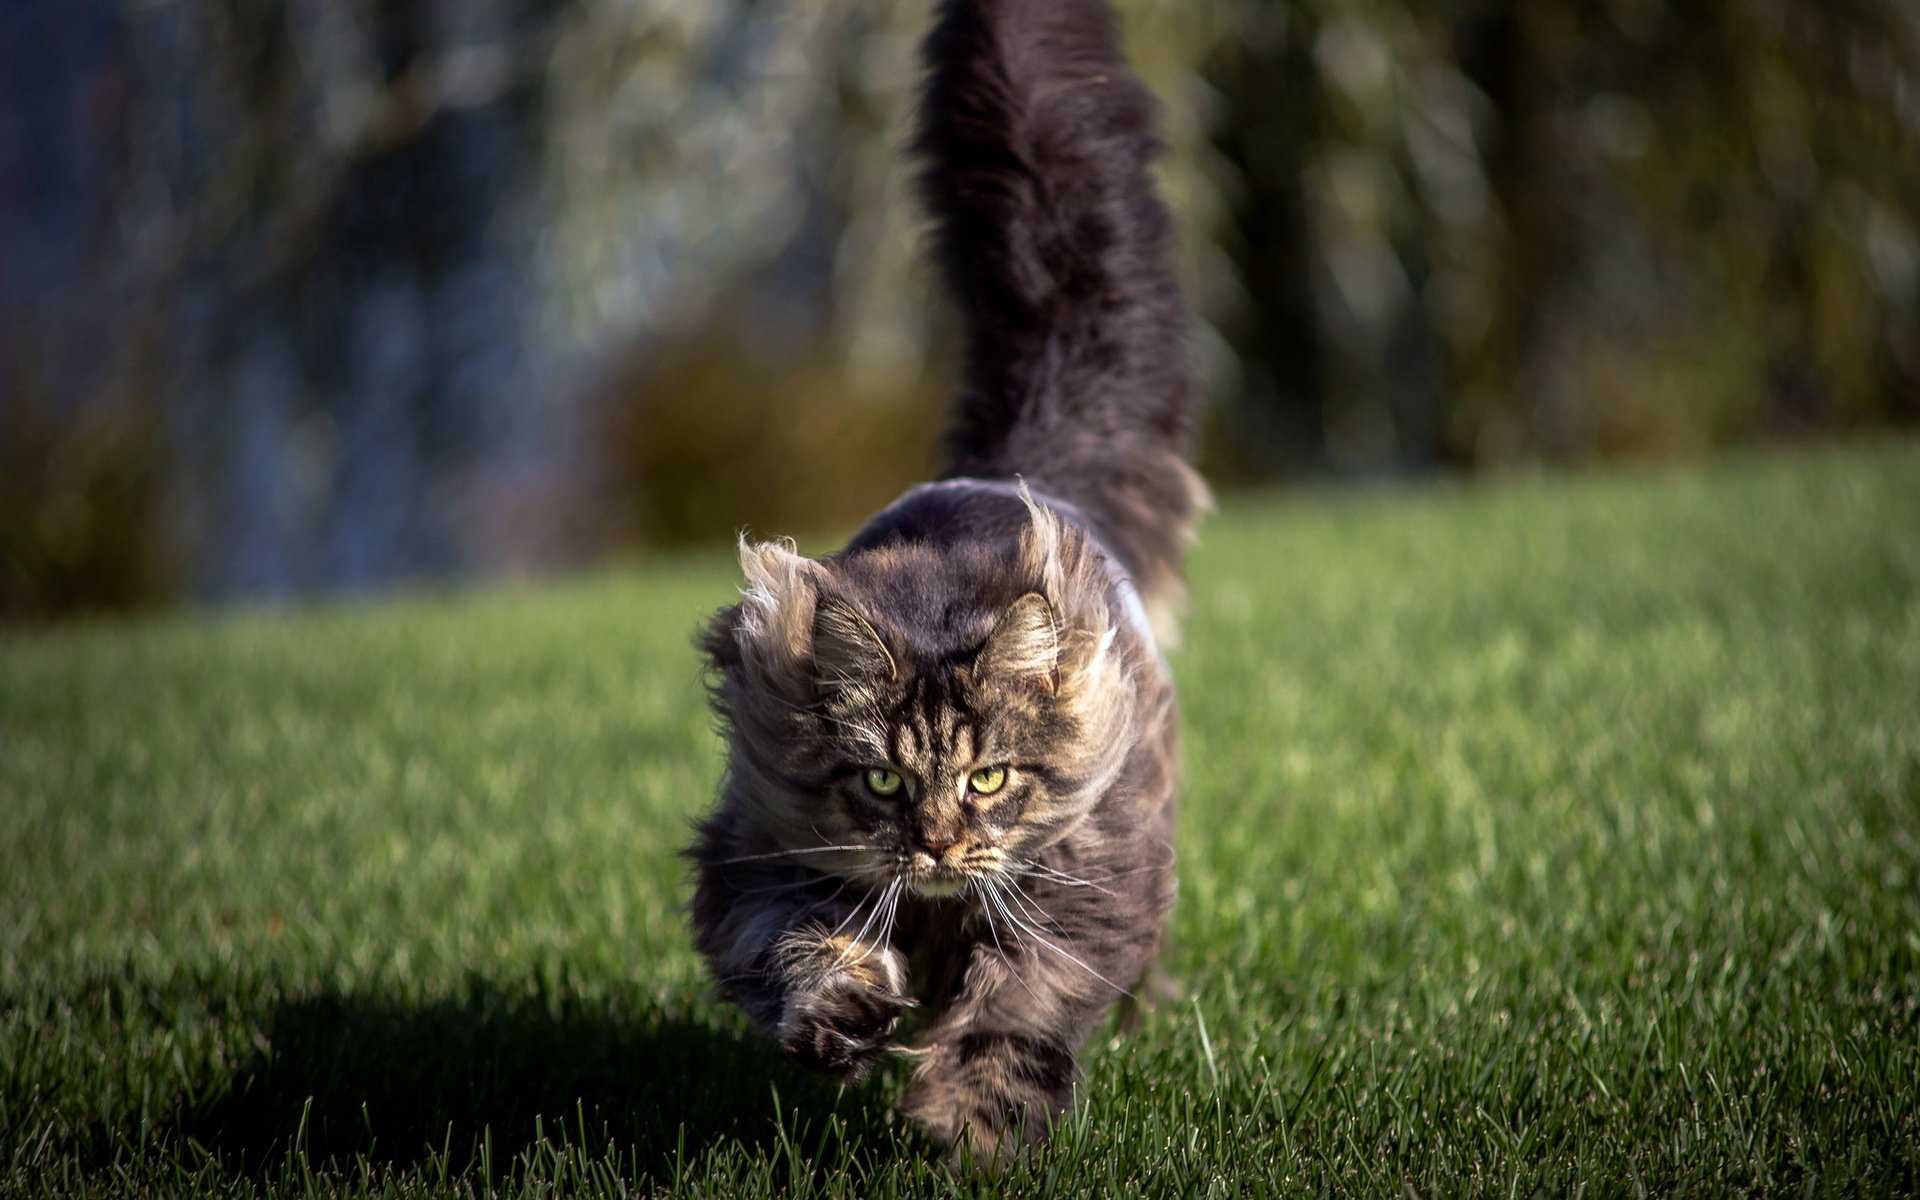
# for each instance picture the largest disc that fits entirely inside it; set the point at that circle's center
(840, 1021)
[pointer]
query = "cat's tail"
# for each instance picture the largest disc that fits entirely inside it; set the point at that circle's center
(1036, 139)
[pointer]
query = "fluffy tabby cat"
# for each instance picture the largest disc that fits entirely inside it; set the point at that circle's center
(949, 790)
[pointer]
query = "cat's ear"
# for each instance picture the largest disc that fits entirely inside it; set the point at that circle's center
(846, 649)
(1025, 644)
(777, 602)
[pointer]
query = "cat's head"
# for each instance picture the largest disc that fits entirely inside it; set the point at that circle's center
(944, 714)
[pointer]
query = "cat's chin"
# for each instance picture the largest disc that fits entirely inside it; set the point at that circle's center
(939, 886)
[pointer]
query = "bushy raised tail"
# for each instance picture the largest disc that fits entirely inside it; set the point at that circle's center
(1036, 138)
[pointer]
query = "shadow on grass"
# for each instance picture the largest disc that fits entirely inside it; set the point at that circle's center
(480, 1079)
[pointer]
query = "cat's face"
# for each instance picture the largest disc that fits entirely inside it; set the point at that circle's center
(938, 730)
(947, 770)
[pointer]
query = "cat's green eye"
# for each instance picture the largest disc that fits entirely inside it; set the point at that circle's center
(882, 782)
(987, 780)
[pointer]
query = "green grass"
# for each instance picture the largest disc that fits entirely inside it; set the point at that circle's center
(1543, 837)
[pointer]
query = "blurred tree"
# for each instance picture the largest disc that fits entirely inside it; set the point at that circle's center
(299, 296)
(788, 368)
(1482, 232)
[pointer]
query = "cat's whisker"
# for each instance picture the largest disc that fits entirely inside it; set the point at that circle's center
(728, 862)
(885, 938)
(1037, 936)
(1057, 876)
(1131, 872)
(986, 910)
(858, 940)
(851, 914)
(1006, 911)
(1109, 878)
(1075, 961)
(771, 889)
(893, 915)
(810, 710)
(839, 959)
(831, 900)
(1029, 906)
(886, 920)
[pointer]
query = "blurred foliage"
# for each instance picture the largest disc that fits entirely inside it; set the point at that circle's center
(430, 287)
(79, 513)
(1475, 233)
(715, 442)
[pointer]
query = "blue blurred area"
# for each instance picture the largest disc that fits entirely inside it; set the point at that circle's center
(299, 297)
(329, 343)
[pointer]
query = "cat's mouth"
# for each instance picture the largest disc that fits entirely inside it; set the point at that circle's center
(930, 877)
(938, 882)
(949, 874)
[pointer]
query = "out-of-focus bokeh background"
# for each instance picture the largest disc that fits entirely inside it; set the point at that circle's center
(300, 296)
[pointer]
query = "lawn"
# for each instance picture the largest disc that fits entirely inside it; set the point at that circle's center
(1543, 836)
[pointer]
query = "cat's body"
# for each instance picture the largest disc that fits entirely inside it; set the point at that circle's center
(950, 778)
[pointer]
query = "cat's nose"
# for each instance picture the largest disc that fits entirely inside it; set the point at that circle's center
(937, 848)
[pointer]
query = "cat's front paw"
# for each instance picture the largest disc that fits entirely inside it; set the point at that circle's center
(842, 1021)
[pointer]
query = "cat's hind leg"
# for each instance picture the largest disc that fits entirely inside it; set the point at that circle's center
(991, 1096)
(998, 1069)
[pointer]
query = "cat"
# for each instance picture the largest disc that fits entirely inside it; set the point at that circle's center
(949, 793)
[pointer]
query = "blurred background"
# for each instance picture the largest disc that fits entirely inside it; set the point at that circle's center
(315, 296)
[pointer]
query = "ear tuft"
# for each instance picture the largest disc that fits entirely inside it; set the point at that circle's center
(846, 649)
(1025, 644)
(781, 584)
(1040, 543)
